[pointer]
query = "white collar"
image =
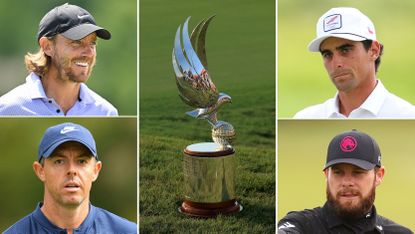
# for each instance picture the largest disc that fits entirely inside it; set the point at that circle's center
(372, 104)
(36, 90)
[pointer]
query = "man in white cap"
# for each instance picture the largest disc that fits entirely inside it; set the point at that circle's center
(346, 39)
(55, 85)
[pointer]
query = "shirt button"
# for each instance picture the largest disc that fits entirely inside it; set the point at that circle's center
(50, 101)
(58, 111)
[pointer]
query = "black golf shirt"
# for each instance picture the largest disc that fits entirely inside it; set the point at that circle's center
(323, 220)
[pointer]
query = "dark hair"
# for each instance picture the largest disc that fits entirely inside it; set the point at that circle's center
(42, 161)
(367, 44)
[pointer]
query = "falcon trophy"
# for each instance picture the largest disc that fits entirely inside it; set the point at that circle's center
(209, 167)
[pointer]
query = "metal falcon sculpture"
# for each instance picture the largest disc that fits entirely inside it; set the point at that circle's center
(194, 83)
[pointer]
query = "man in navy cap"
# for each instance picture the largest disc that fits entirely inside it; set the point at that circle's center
(67, 165)
(55, 86)
(353, 170)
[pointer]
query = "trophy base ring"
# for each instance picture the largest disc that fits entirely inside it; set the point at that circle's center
(210, 210)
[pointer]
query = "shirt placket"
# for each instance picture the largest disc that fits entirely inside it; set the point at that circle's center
(54, 107)
(77, 108)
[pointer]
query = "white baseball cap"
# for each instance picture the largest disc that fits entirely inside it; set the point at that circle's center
(343, 22)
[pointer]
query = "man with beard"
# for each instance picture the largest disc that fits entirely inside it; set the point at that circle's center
(55, 86)
(67, 165)
(353, 170)
(346, 39)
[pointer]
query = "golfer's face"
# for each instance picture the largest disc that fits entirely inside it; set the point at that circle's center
(349, 184)
(74, 59)
(69, 173)
(348, 64)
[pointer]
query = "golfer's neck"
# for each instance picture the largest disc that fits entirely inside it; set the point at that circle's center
(64, 217)
(64, 92)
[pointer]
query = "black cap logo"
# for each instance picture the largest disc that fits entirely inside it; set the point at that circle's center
(348, 144)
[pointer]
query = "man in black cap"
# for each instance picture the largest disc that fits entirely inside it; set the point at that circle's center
(67, 164)
(55, 86)
(353, 170)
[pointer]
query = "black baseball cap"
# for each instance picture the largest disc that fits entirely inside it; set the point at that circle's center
(72, 22)
(354, 147)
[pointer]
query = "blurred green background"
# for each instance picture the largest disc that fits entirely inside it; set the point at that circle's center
(116, 187)
(302, 150)
(302, 78)
(115, 74)
(240, 47)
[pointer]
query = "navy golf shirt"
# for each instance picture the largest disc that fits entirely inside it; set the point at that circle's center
(97, 221)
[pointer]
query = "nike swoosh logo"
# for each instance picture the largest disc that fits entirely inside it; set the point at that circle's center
(68, 129)
(82, 16)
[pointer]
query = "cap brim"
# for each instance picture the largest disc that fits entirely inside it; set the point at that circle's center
(83, 30)
(55, 145)
(314, 45)
(357, 162)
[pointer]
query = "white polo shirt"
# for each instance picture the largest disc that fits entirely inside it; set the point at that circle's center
(380, 104)
(30, 99)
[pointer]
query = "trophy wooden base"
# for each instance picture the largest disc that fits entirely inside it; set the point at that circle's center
(209, 210)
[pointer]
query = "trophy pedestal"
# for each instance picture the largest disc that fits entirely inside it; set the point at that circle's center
(209, 181)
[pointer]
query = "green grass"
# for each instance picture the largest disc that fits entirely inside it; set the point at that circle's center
(302, 147)
(302, 78)
(240, 47)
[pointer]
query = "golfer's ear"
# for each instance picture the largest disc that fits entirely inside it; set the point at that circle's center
(326, 172)
(375, 50)
(97, 169)
(46, 45)
(39, 170)
(379, 175)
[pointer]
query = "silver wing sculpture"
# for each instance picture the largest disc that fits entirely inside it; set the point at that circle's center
(194, 83)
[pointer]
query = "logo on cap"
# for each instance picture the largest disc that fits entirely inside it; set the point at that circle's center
(82, 16)
(332, 22)
(67, 129)
(348, 144)
(370, 31)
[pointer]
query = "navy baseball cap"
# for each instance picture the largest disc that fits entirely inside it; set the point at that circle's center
(72, 22)
(61, 133)
(354, 147)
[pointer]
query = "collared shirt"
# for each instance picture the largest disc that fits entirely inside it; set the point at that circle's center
(97, 221)
(30, 99)
(324, 220)
(380, 104)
